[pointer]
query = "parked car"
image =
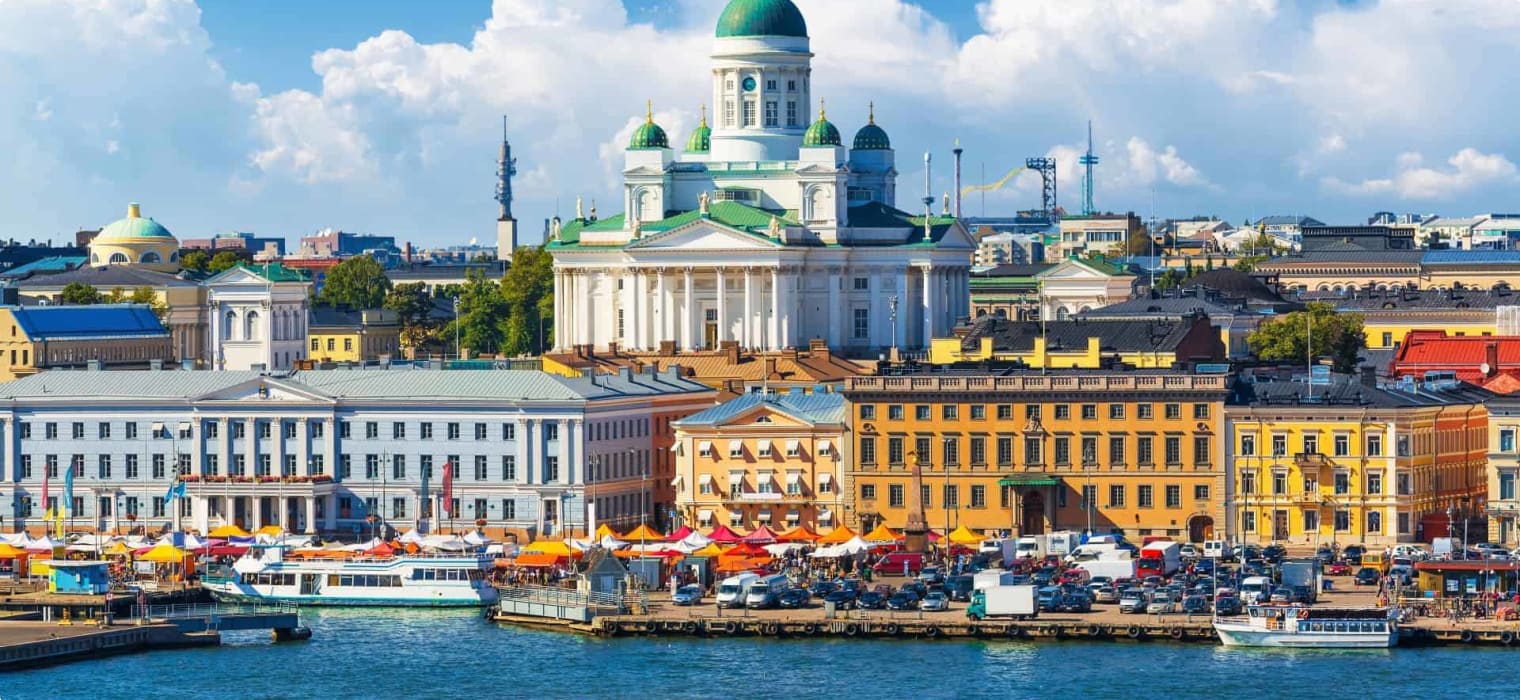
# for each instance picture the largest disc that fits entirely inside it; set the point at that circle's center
(1324, 553)
(822, 589)
(795, 598)
(1049, 598)
(687, 595)
(872, 600)
(1133, 600)
(1190, 551)
(1076, 601)
(1162, 604)
(902, 600)
(934, 602)
(1227, 605)
(1105, 593)
(1352, 554)
(1338, 569)
(1195, 604)
(960, 587)
(842, 599)
(1367, 576)
(931, 575)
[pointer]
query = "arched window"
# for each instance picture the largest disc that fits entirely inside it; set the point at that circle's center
(229, 326)
(1062, 313)
(152, 257)
(119, 259)
(251, 326)
(174, 257)
(94, 259)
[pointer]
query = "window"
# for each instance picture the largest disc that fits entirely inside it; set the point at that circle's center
(1032, 454)
(1403, 523)
(952, 452)
(1342, 520)
(735, 448)
(1311, 521)
(263, 466)
(1248, 482)
(1032, 413)
(1173, 496)
(1247, 445)
(1089, 497)
(1279, 484)
(103, 467)
(1248, 521)
(1089, 411)
(1342, 445)
(50, 431)
(772, 113)
(1374, 522)
(1342, 483)
(868, 450)
(348, 344)
(1403, 446)
(862, 323)
(1145, 497)
(509, 468)
(949, 412)
(1005, 411)
(791, 113)
(952, 495)
(345, 466)
(371, 430)
(1200, 411)
(398, 466)
(1143, 454)
(867, 411)
(895, 412)
(131, 430)
(978, 412)
(398, 430)
(793, 485)
(749, 113)
(158, 466)
(1311, 443)
(288, 465)
(398, 507)
(131, 466)
(1173, 411)
(26, 431)
(921, 450)
(316, 344)
(1063, 412)
(1144, 411)
(345, 430)
(1375, 484)
(1200, 449)
(551, 469)
(427, 430)
(1116, 496)
(1116, 411)
(104, 431)
(453, 431)
(508, 431)
(318, 465)
(1063, 450)
(480, 431)
(263, 428)
(1201, 492)
(1279, 445)
(77, 431)
(1116, 451)
(868, 491)
(926, 494)
(895, 496)
(978, 450)
(1005, 451)
(728, 109)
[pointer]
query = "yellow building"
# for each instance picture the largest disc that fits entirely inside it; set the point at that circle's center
(1503, 507)
(1389, 315)
(761, 459)
(339, 334)
(105, 336)
(1344, 460)
(1029, 451)
(135, 241)
(1081, 344)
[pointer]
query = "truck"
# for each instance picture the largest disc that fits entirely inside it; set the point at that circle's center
(1096, 550)
(1018, 602)
(733, 590)
(1159, 559)
(991, 578)
(766, 592)
(1303, 573)
(1255, 589)
(1061, 543)
(1215, 549)
(1027, 548)
(1006, 547)
(1113, 568)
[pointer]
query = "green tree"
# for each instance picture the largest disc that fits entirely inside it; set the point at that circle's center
(528, 290)
(1339, 336)
(79, 293)
(117, 296)
(195, 260)
(1169, 279)
(482, 317)
(223, 261)
(358, 282)
(149, 296)
(413, 304)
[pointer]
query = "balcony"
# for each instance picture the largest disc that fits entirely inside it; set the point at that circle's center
(1311, 460)
(772, 498)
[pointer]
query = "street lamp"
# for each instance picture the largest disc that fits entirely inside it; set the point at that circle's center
(457, 354)
(892, 321)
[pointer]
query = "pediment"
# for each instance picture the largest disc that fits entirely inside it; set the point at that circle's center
(237, 276)
(1071, 270)
(768, 415)
(704, 234)
(267, 389)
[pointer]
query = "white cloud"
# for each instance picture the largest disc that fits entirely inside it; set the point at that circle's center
(1149, 165)
(1470, 169)
(42, 112)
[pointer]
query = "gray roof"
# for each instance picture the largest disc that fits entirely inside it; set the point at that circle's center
(1407, 257)
(1165, 307)
(1471, 257)
(818, 407)
(107, 277)
(1347, 390)
(1289, 220)
(1424, 299)
(1113, 335)
(399, 383)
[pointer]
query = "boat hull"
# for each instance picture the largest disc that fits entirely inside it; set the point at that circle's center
(1244, 636)
(226, 596)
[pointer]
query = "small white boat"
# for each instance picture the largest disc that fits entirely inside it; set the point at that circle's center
(1303, 627)
(264, 575)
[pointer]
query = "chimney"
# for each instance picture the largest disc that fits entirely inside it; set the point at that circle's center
(667, 348)
(770, 367)
(819, 348)
(612, 348)
(730, 350)
(1369, 375)
(1491, 355)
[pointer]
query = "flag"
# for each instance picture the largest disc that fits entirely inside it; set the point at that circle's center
(176, 490)
(68, 491)
(448, 484)
(47, 505)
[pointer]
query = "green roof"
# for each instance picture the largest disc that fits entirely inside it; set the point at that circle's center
(274, 272)
(133, 226)
(878, 215)
(872, 137)
(648, 136)
(821, 133)
(761, 18)
(701, 137)
(757, 221)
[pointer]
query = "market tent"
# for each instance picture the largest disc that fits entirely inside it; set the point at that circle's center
(800, 534)
(839, 535)
(475, 538)
(42, 544)
(693, 542)
(231, 550)
(117, 548)
(410, 537)
(538, 560)
(228, 531)
(711, 550)
(19, 539)
(781, 548)
(555, 547)
(746, 549)
(270, 531)
(188, 541)
(164, 554)
(961, 535)
(761, 535)
(882, 533)
(856, 545)
(642, 533)
(736, 564)
(604, 531)
(447, 543)
(722, 533)
(384, 549)
(8, 551)
(679, 534)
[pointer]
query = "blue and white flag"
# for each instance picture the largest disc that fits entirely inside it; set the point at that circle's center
(68, 490)
(176, 490)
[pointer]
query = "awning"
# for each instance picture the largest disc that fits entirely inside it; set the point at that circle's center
(704, 448)
(676, 448)
(825, 447)
(736, 447)
(763, 446)
(793, 478)
(764, 515)
(793, 516)
(736, 477)
(184, 427)
(793, 446)
(1027, 480)
(704, 516)
(825, 516)
(826, 478)
(705, 479)
(158, 427)
(676, 482)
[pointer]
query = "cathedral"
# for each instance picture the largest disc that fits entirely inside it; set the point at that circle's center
(765, 229)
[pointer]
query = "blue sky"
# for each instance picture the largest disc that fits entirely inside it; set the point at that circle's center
(285, 117)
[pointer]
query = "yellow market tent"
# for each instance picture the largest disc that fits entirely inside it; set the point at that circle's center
(839, 535)
(882, 533)
(164, 553)
(603, 532)
(554, 547)
(226, 531)
(963, 536)
(642, 533)
(270, 530)
(9, 552)
(117, 547)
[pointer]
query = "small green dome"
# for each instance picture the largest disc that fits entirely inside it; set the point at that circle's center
(134, 226)
(701, 137)
(649, 135)
(821, 133)
(872, 137)
(761, 18)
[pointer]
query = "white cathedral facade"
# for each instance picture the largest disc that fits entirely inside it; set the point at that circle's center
(764, 230)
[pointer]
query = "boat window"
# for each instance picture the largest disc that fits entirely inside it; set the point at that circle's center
(1318, 627)
(332, 579)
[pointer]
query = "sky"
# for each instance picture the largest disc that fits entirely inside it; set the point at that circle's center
(284, 117)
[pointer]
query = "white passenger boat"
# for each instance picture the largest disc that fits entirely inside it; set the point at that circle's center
(1303, 627)
(265, 574)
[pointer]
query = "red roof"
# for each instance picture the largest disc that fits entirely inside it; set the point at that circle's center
(1428, 351)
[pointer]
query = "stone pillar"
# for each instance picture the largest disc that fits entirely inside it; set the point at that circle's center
(688, 312)
(309, 525)
(722, 305)
(559, 300)
(777, 338)
(224, 445)
(256, 508)
(831, 332)
(929, 310)
(904, 303)
(330, 447)
(330, 517)
(582, 299)
(643, 327)
(525, 448)
(746, 329)
(661, 314)
(200, 513)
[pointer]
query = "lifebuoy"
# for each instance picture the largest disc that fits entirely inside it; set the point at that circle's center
(1177, 633)
(931, 631)
(851, 629)
(810, 628)
(1468, 637)
(1506, 638)
(1303, 613)
(1094, 630)
(1135, 632)
(891, 629)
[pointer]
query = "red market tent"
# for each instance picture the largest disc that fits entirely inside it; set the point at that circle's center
(761, 535)
(723, 534)
(746, 549)
(679, 535)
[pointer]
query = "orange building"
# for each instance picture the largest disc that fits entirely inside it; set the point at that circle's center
(1028, 452)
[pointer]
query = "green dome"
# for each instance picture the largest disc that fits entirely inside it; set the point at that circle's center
(872, 137)
(701, 137)
(821, 133)
(134, 226)
(761, 18)
(649, 135)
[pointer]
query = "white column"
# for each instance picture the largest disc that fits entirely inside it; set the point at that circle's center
(310, 522)
(776, 339)
(831, 331)
(559, 309)
(746, 329)
(722, 305)
(525, 448)
(643, 306)
(928, 305)
(880, 314)
(688, 312)
(585, 289)
(662, 309)
(330, 514)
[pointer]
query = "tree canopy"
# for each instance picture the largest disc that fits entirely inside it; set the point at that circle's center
(528, 290)
(195, 260)
(1339, 336)
(481, 322)
(358, 282)
(79, 293)
(411, 301)
(223, 261)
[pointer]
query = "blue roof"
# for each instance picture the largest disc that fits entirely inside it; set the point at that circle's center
(812, 408)
(56, 263)
(94, 321)
(1459, 257)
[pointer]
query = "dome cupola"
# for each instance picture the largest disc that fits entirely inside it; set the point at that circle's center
(821, 132)
(649, 135)
(741, 18)
(872, 137)
(701, 137)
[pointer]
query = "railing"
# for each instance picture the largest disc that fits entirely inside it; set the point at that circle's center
(570, 598)
(1033, 383)
(213, 610)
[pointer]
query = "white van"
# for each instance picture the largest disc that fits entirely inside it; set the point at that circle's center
(1215, 549)
(733, 590)
(1255, 589)
(766, 592)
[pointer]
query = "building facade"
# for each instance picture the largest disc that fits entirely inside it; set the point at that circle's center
(1338, 459)
(323, 451)
(1503, 506)
(100, 336)
(1029, 452)
(256, 317)
(766, 230)
(353, 335)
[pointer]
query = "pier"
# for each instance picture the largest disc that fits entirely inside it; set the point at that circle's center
(31, 644)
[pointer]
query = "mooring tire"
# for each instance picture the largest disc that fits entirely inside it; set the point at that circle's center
(1094, 630)
(974, 630)
(1468, 637)
(1013, 631)
(1056, 631)
(810, 629)
(891, 629)
(851, 629)
(1177, 633)
(1135, 632)
(613, 628)
(931, 631)
(690, 627)
(1506, 638)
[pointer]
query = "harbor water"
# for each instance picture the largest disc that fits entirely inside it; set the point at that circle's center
(364, 654)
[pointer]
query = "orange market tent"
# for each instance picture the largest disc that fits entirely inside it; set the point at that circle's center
(384, 549)
(963, 536)
(882, 533)
(747, 549)
(538, 560)
(711, 550)
(735, 564)
(164, 554)
(554, 547)
(226, 531)
(839, 535)
(801, 534)
(603, 532)
(642, 533)
(270, 530)
(9, 552)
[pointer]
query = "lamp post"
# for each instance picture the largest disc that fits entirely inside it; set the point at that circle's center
(892, 321)
(457, 354)
(588, 504)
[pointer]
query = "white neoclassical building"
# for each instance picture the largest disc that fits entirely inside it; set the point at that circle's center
(765, 230)
(256, 317)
